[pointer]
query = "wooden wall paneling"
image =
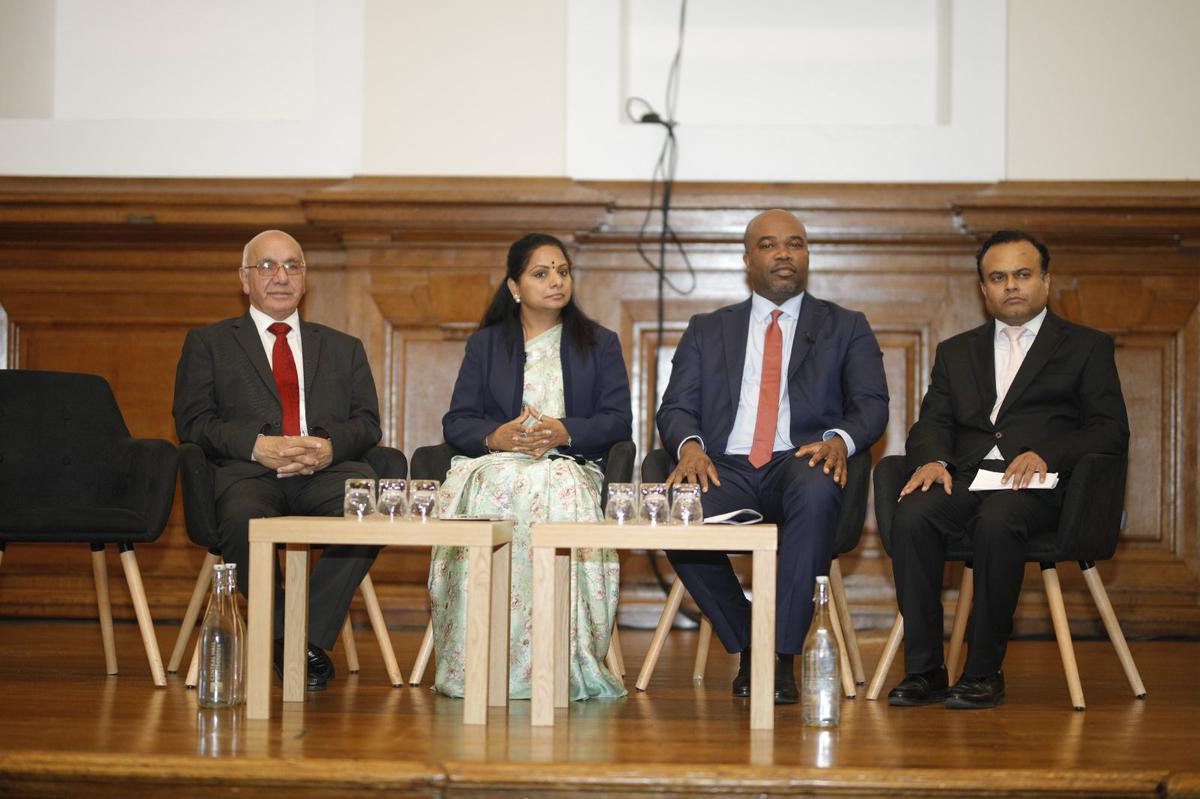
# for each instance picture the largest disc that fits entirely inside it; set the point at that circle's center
(407, 264)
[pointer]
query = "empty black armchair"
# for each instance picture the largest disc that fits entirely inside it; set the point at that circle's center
(70, 473)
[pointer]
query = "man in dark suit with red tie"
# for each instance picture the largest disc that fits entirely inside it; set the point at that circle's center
(1026, 394)
(284, 409)
(766, 401)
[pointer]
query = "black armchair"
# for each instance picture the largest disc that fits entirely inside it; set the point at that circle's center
(433, 462)
(200, 513)
(655, 468)
(71, 473)
(1088, 527)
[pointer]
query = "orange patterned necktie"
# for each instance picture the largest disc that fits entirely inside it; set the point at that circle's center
(768, 394)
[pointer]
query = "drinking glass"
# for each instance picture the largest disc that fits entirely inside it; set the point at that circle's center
(360, 498)
(685, 504)
(654, 509)
(393, 497)
(622, 503)
(423, 503)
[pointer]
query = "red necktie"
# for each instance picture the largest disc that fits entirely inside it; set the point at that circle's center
(283, 365)
(768, 394)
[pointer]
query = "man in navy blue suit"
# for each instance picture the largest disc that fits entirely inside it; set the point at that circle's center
(767, 400)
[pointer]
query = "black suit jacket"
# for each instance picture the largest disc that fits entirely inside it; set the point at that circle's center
(1064, 402)
(835, 377)
(488, 392)
(225, 395)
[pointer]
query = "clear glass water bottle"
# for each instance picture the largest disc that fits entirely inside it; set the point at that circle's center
(239, 680)
(220, 646)
(820, 688)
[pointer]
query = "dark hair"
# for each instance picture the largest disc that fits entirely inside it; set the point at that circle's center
(504, 310)
(1006, 236)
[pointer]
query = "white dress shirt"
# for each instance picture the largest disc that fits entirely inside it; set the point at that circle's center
(262, 321)
(741, 437)
(1002, 351)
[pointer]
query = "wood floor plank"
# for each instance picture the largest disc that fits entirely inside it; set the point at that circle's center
(67, 725)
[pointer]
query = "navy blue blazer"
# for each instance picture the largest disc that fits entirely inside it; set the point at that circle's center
(487, 393)
(835, 377)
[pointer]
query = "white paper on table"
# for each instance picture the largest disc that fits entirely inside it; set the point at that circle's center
(990, 481)
(740, 516)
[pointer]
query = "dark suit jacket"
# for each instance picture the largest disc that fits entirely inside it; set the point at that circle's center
(1064, 402)
(835, 377)
(490, 381)
(225, 395)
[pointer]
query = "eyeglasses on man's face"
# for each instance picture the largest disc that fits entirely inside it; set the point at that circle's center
(267, 267)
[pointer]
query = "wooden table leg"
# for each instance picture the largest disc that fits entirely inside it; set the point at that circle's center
(762, 643)
(260, 608)
(542, 689)
(562, 630)
(295, 623)
(500, 607)
(479, 595)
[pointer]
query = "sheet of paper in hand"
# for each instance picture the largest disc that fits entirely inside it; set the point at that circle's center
(741, 516)
(990, 481)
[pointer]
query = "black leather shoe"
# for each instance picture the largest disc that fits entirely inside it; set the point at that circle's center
(786, 692)
(319, 669)
(741, 683)
(976, 693)
(923, 688)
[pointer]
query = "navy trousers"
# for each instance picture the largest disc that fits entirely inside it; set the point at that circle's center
(804, 502)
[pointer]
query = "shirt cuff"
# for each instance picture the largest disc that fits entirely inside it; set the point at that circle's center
(850, 448)
(686, 440)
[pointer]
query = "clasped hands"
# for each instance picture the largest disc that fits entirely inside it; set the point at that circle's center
(1018, 475)
(293, 455)
(530, 433)
(696, 467)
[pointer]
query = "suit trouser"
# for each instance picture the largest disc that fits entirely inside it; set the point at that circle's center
(804, 502)
(998, 524)
(340, 568)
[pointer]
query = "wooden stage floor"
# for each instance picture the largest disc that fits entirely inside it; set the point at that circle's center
(70, 731)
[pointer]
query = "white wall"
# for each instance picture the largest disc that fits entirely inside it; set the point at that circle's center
(1091, 89)
(1103, 89)
(464, 87)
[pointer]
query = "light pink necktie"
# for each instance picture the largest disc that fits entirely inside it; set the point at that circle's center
(1015, 356)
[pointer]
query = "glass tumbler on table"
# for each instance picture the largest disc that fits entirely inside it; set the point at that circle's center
(622, 503)
(654, 508)
(393, 498)
(359, 498)
(423, 504)
(685, 504)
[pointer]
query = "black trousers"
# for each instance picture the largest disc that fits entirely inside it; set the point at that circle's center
(340, 568)
(997, 524)
(804, 502)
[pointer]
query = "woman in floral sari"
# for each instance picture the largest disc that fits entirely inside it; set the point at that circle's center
(541, 396)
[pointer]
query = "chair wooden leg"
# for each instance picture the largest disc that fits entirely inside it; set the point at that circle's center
(613, 658)
(375, 614)
(1100, 597)
(418, 669)
(349, 646)
(1062, 632)
(845, 671)
(839, 597)
(104, 604)
(199, 592)
(660, 634)
(958, 631)
(141, 608)
(194, 668)
(886, 657)
(703, 643)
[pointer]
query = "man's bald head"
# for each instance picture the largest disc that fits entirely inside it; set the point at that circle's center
(273, 273)
(776, 255)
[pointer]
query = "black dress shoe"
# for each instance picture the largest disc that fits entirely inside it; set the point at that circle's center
(786, 692)
(319, 668)
(976, 693)
(741, 683)
(923, 688)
